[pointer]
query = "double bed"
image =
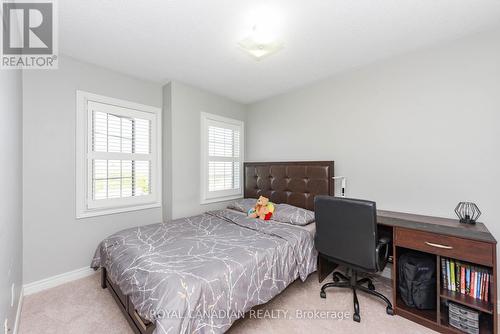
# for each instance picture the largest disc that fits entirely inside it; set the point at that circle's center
(199, 274)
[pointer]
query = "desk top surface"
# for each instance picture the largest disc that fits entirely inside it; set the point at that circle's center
(437, 225)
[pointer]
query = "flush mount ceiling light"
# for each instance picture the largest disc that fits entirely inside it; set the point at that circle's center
(258, 45)
(266, 27)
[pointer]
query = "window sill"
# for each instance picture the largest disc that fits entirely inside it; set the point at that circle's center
(111, 211)
(220, 199)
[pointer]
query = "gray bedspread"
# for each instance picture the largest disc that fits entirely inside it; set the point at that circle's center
(199, 274)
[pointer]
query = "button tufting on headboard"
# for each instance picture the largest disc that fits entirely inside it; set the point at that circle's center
(295, 183)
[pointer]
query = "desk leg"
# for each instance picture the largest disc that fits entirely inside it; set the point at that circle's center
(325, 267)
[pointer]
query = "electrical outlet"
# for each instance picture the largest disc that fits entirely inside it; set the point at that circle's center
(12, 294)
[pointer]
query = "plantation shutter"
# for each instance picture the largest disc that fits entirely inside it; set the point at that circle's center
(223, 157)
(120, 158)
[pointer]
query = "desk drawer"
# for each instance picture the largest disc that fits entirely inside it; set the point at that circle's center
(458, 248)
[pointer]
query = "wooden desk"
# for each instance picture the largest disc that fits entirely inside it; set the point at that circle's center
(440, 237)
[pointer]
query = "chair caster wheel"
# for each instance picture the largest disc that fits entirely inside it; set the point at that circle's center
(389, 310)
(371, 287)
(322, 294)
(356, 318)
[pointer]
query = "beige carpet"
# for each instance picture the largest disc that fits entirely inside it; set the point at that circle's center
(82, 307)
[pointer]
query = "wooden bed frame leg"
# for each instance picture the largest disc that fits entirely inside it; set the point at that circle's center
(103, 278)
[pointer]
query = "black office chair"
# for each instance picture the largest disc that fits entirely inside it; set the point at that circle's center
(346, 234)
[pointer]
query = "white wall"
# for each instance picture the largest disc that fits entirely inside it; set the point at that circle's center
(417, 133)
(10, 192)
(54, 241)
(187, 103)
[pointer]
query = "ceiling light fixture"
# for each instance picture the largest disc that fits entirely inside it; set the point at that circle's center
(263, 39)
(258, 45)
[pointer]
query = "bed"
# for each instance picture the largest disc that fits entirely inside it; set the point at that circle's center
(199, 274)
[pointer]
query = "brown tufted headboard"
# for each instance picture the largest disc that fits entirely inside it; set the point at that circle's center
(294, 183)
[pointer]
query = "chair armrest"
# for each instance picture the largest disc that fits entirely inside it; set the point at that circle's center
(382, 253)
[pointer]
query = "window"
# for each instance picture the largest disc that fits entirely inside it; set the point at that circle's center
(222, 158)
(118, 155)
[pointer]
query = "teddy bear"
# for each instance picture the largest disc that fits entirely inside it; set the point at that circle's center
(262, 210)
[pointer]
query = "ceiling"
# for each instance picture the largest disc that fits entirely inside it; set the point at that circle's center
(196, 41)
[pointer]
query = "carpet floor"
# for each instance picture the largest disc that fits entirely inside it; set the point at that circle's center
(82, 307)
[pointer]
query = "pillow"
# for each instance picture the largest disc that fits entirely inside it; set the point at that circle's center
(243, 204)
(286, 213)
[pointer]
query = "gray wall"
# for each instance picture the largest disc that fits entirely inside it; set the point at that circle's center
(54, 241)
(11, 223)
(167, 152)
(187, 103)
(417, 133)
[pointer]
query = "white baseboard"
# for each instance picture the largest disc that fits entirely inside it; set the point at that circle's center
(18, 312)
(56, 280)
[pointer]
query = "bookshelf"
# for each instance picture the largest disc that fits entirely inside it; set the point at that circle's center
(468, 301)
(482, 303)
(476, 253)
(466, 284)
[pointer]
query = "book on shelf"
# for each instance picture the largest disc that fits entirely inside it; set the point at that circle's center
(444, 276)
(479, 285)
(481, 290)
(452, 275)
(473, 284)
(467, 280)
(486, 283)
(463, 278)
(448, 282)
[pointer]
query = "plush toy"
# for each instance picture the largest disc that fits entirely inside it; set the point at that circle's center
(263, 209)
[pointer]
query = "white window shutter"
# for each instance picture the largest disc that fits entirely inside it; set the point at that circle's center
(127, 177)
(222, 157)
(118, 159)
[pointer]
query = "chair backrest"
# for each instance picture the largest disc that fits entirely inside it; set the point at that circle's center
(346, 231)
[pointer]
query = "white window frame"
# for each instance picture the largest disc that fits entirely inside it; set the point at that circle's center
(223, 195)
(85, 205)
